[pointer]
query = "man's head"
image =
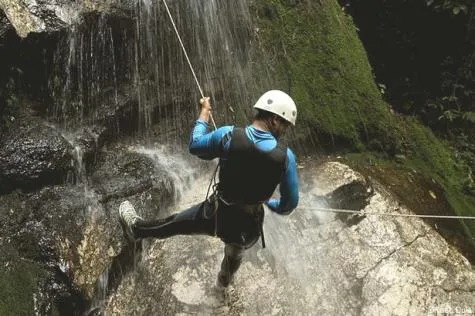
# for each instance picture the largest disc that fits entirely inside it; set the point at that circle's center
(274, 123)
(277, 110)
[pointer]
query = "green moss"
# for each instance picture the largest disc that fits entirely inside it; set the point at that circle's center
(311, 49)
(434, 158)
(18, 282)
(463, 205)
(427, 195)
(316, 56)
(428, 152)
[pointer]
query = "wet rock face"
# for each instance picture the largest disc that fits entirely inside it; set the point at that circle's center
(44, 228)
(28, 16)
(71, 233)
(123, 173)
(33, 155)
(116, 116)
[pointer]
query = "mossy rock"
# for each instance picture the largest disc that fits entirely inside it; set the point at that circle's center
(311, 49)
(19, 280)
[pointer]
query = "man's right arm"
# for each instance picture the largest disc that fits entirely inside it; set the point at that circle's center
(207, 145)
(203, 144)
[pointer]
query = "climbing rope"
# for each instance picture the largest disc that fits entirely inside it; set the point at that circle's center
(334, 210)
(187, 58)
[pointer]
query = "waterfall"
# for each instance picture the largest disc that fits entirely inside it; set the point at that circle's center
(109, 58)
(125, 73)
(131, 70)
(180, 169)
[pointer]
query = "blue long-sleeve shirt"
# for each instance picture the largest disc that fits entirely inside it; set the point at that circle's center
(216, 145)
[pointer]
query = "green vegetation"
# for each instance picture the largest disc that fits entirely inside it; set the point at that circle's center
(455, 6)
(18, 282)
(435, 159)
(426, 68)
(316, 55)
(322, 63)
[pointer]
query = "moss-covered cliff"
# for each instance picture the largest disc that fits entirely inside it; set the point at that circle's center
(313, 51)
(322, 63)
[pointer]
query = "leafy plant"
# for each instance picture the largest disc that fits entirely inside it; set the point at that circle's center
(455, 6)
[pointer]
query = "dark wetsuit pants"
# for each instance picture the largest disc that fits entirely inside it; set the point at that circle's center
(239, 226)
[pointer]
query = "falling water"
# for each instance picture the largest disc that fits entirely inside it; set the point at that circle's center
(108, 58)
(179, 168)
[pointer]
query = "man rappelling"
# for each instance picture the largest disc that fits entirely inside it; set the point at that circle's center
(252, 162)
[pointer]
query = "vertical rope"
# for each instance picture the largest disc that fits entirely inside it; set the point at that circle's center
(187, 58)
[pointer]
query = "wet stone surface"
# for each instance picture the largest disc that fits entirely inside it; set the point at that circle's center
(29, 16)
(70, 234)
(314, 263)
(33, 155)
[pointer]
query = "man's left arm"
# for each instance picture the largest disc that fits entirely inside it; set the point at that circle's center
(289, 189)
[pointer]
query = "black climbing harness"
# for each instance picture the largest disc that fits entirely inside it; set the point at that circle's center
(215, 205)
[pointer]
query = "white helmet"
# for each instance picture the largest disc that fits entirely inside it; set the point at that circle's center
(279, 103)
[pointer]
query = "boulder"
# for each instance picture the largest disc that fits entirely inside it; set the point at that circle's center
(43, 232)
(29, 16)
(33, 155)
(313, 263)
(353, 196)
(123, 172)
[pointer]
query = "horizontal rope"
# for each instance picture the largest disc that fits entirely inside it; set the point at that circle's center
(334, 210)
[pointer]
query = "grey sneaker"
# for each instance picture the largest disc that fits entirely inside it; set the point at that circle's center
(128, 217)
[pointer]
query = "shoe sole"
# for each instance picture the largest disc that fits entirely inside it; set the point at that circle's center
(129, 235)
